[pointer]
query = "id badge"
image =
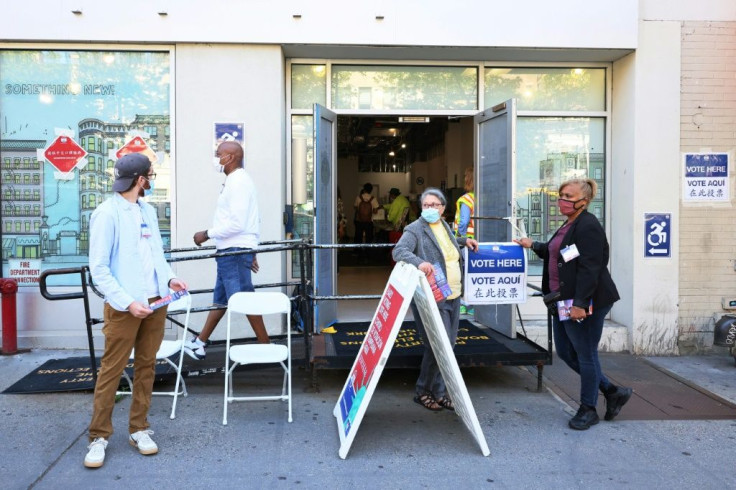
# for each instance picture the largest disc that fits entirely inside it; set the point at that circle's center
(145, 231)
(570, 252)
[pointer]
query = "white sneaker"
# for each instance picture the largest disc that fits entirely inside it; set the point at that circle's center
(195, 348)
(142, 440)
(96, 455)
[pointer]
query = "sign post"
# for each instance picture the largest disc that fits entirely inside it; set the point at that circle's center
(405, 283)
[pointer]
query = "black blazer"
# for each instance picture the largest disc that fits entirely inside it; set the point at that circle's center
(586, 276)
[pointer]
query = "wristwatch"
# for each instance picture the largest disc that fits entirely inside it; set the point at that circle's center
(206, 235)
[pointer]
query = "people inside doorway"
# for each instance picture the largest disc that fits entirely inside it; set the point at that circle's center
(397, 209)
(126, 261)
(366, 207)
(235, 228)
(464, 208)
(342, 221)
(575, 265)
(428, 243)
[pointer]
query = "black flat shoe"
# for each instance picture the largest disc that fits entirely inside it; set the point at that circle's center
(585, 417)
(428, 402)
(615, 401)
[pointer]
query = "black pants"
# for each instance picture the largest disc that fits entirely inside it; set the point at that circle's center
(360, 229)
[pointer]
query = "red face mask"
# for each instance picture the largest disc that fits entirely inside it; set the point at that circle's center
(568, 208)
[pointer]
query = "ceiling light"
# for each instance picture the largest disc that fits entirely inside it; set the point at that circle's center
(413, 119)
(391, 153)
(403, 145)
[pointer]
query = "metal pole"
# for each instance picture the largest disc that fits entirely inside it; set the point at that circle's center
(89, 323)
(303, 300)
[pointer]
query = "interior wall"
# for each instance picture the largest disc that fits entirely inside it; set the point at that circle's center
(351, 183)
(459, 141)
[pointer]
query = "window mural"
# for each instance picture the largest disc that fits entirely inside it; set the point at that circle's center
(65, 117)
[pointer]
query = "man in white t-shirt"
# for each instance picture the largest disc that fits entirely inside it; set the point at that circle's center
(235, 228)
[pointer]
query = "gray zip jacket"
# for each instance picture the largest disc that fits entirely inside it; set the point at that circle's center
(418, 244)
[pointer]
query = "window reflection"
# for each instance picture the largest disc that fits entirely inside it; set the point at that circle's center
(547, 89)
(550, 151)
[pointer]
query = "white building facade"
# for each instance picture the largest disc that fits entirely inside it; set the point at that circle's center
(619, 90)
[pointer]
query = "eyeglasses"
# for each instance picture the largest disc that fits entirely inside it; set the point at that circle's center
(435, 205)
(149, 176)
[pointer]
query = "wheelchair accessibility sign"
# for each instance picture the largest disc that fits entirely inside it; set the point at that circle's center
(657, 235)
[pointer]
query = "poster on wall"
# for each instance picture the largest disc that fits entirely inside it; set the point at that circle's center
(706, 177)
(66, 116)
(226, 131)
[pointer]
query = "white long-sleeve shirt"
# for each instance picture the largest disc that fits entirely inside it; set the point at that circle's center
(236, 222)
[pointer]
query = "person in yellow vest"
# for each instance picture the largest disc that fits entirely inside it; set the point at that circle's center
(464, 208)
(463, 224)
(395, 209)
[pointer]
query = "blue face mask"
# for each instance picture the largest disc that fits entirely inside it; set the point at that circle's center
(148, 192)
(431, 215)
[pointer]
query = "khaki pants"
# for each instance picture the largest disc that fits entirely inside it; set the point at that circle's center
(123, 332)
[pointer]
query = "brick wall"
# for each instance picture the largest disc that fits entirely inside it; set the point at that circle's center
(707, 232)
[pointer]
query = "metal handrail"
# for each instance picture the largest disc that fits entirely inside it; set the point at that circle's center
(89, 321)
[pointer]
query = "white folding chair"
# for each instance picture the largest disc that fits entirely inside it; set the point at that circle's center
(166, 351)
(258, 303)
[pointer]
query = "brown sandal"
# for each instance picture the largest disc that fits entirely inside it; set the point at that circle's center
(428, 402)
(445, 402)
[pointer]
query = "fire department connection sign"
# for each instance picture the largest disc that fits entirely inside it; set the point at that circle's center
(706, 177)
(495, 274)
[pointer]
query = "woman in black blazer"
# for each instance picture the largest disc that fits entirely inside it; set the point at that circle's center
(575, 265)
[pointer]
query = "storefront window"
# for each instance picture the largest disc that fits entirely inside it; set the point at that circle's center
(302, 131)
(307, 86)
(547, 89)
(374, 87)
(549, 151)
(100, 100)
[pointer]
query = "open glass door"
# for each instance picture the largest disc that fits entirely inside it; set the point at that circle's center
(325, 222)
(495, 160)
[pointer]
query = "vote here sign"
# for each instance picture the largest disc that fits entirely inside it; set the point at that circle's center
(706, 177)
(495, 274)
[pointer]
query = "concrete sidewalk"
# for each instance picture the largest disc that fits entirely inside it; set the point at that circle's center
(399, 444)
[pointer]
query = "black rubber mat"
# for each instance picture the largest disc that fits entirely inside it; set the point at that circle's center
(658, 394)
(350, 335)
(72, 374)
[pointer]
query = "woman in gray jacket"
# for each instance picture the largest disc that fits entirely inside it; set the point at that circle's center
(428, 243)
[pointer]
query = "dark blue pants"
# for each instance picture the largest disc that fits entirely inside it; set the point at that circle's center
(577, 345)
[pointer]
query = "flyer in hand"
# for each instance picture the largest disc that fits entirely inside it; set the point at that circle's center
(564, 306)
(168, 299)
(438, 283)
